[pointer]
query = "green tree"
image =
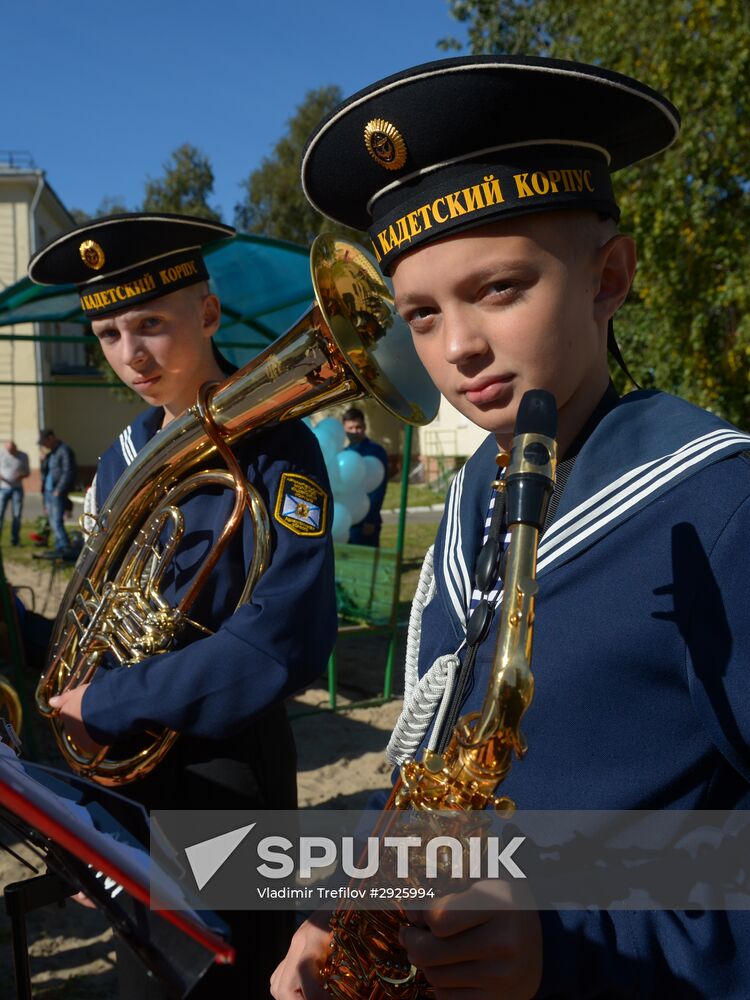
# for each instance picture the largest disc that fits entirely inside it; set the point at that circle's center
(111, 205)
(107, 206)
(186, 186)
(274, 203)
(79, 216)
(510, 26)
(686, 326)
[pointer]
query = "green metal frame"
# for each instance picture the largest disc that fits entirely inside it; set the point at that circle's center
(393, 626)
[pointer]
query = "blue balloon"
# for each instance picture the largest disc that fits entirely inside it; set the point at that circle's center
(359, 506)
(332, 429)
(351, 469)
(334, 478)
(330, 453)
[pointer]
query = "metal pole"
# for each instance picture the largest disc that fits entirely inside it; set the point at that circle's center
(21, 898)
(41, 402)
(400, 537)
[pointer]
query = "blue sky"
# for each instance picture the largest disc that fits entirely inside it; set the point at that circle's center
(102, 92)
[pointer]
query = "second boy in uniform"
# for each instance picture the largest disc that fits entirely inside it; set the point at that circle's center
(144, 286)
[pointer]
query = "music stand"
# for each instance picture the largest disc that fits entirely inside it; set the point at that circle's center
(68, 822)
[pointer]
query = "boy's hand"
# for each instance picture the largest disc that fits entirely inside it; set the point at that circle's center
(297, 977)
(477, 954)
(69, 705)
(471, 954)
(83, 900)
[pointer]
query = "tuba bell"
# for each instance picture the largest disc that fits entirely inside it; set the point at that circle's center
(350, 343)
(10, 705)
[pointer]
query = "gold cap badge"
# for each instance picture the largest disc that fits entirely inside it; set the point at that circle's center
(385, 144)
(92, 255)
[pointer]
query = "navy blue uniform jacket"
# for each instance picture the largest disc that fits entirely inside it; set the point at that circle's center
(270, 647)
(642, 670)
(224, 693)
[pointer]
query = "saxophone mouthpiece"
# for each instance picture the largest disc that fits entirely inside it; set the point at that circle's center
(530, 477)
(537, 414)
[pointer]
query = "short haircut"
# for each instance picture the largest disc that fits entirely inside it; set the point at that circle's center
(353, 414)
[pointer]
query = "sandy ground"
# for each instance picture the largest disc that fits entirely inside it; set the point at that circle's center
(341, 761)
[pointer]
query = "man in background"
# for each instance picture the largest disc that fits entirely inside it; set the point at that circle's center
(367, 532)
(58, 481)
(14, 468)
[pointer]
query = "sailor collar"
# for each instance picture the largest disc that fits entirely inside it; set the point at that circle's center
(641, 449)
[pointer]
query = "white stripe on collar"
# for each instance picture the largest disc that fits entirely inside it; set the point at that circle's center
(630, 490)
(617, 499)
(131, 446)
(126, 446)
(455, 572)
(638, 473)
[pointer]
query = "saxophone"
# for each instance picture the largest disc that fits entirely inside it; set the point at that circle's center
(366, 961)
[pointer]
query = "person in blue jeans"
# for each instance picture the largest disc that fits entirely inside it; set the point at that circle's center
(59, 479)
(14, 468)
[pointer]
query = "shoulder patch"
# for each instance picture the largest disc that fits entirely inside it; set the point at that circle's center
(301, 505)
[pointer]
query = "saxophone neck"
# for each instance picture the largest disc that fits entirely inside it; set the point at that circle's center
(528, 484)
(511, 686)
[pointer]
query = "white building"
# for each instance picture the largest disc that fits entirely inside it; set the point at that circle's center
(30, 215)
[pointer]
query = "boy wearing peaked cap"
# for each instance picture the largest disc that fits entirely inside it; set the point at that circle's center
(143, 284)
(485, 185)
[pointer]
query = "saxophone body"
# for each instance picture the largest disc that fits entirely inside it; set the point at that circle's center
(366, 961)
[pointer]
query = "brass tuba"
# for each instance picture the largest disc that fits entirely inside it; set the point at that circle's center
(366, 960)
(10, 705)
(349, 343)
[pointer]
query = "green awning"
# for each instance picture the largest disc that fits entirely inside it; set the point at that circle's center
(264, 286)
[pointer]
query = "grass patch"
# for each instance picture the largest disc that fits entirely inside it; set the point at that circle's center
(419, 496)
(27, 550)
(419, 537)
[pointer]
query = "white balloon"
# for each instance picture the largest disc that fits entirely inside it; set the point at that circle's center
(342, 522)
(374, 473)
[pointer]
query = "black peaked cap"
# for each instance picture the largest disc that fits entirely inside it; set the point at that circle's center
(123, 260)
(384, 153)
(128, 240)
